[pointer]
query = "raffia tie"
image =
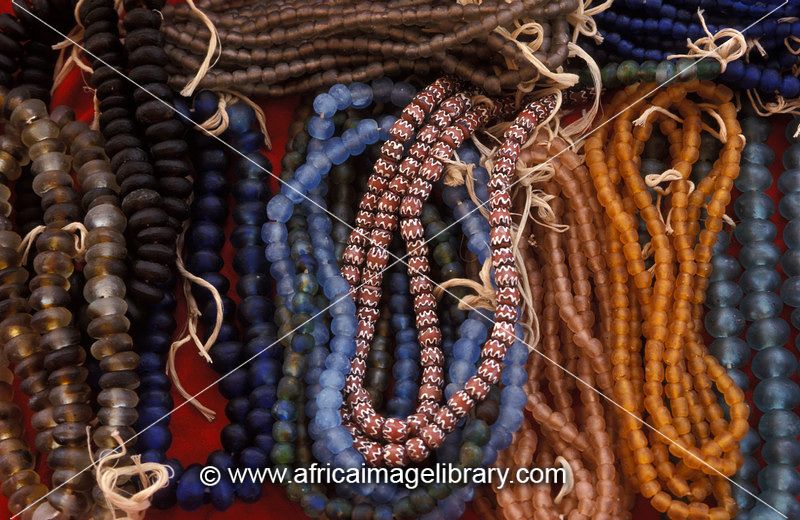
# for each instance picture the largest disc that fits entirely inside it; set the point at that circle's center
(583, 20)
(779, 106)
(730, 50)
(484, 297)
(189, 332)
(560, 79)
(219, 121)
(213, 41)
(77, 228)
(584, 123)
(152, 477)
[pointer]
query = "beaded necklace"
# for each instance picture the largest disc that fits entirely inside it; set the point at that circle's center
(691, 418)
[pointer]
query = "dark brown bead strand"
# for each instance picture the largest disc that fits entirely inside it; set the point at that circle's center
(277, 48)
(52, 320)
(164, 135)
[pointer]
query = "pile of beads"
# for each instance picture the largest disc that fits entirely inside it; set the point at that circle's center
(692, 424)
(649, 32)
(274, 49)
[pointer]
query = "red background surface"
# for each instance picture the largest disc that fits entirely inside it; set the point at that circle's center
(193, 436)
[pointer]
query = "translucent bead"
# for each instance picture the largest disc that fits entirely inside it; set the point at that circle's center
(320, 128)
(753, 229)
(341, 94)
(28, 111)
(776, 393)
(279, 208)
(723, 322)
(325, 105)
(724, 267)
(781, 477)
(761, 304)
(789, 206)
(730, 351)
(335, 150)
(782, 450)
(759, 253)
(105, 215)
(768, 332)
(361, 94)
(758, 152)
(791, 157)
(723, 294)
(739, 378)
(760, 278)
(753, 177)
(789, 181)
(241, 117)
(402, 94)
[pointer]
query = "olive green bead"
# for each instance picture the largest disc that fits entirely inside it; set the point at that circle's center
(403, 509)
(647, 71)
(686, 69)
(440, 490)
(478, 432)
(627, 72)
(708, 69)
(608, 75)
(470, 455)
(282, 453)
(338, 509)
(289, 388)
(422, 501)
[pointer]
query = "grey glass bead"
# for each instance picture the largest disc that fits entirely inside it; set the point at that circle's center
(750, 443)
(760, 278)
(753, 177)
(783, 450)
(759, 253)
(791, 157)
(730, 352)
(768, 332)
(105, 215)
(791, 234)
(758, 153)
(740, 379)
(754, 229)
(756, 129)
(723, 293)
(784, 502)
(724, 267)
(781, 477)
(789, 181)
(724, 321)
(774, 362)
(789, 205)
(776, 393)
(744, 494)
(749, 469)
(761, 304)
(795, 318)
(754, 204)
(790, 291)
(721, 244)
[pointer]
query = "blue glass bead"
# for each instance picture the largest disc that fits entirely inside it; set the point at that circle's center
(761, 304)
(743, 495)
(250, 190)
(249, 234)
(241, 117)
(758, 154)
(234, 438)
(789, 181)
(158, 437)
(760, 278)
(204, 261)
(206, 235)
(320, 128)
(335, 150)
(226, 355)
(156, 398)
(782, 450)
(279, 208)
(402, 94)
(259, 421)
(264, 442)
(349, 458)
(723, 294)
(723, 322)
(790, 291)
(368, 131)
(325, 105)
(730, 351)
(768, 332)
(776, 393)
(790, 86)
(284, 411)
(263, 397)
(308, 176)
(155, 380)
(236, 409)
(254, 166)
(209, 208)
(749, 469)
(791, 234)
(211, 183)
(234, 384)
(341, 94)
(361, 94)
(248, 142)
(382, 89)
(791, 156)
(778, 423)
(205, 104)
(191, 491)
(352, 142)
(385, 124)
(152, 415)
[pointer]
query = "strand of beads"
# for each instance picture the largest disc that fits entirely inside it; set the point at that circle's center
(706, 444)
(21, 483)
(274, 49)
(775, 394)
(69, 412)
